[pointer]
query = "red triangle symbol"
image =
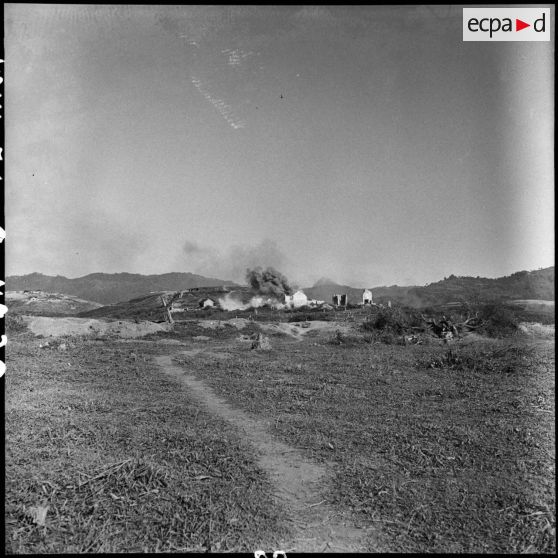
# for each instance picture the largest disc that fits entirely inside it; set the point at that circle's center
(519, 25)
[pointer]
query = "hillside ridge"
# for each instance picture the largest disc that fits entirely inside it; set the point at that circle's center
(118, 287)
(109, 288)
(537, 285)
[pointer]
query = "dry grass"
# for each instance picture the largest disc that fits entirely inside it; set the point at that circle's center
(447, 449)
(104, 454)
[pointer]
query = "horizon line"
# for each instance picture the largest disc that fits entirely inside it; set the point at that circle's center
(233, 283)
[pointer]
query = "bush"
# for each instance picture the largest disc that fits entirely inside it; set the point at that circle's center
(394, 321)
(14, 323)
(387, 319)
(498, 319)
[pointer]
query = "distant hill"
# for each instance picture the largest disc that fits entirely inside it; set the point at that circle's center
(150, 306)
(119, 287)
(536, 285)
(147, 307)
(108, 288)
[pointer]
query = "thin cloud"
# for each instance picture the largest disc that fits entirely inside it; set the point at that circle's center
(236, 56)
(225, 110)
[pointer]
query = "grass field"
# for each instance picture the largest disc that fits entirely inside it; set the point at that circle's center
(449, 450)
(443, 448)
(123, 460)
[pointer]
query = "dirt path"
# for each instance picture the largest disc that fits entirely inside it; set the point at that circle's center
(297, 481)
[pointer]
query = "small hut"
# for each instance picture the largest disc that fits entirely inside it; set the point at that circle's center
(296, 300)
(207, 303)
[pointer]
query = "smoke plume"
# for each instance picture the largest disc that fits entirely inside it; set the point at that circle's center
(268, 281)
(230, 303)
(231, 263)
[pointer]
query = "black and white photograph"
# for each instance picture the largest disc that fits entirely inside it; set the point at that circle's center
(279, 279)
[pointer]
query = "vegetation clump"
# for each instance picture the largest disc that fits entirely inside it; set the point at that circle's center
(493, 319)
(502, 360)
(309, 315)
(498, 319)
(14, 324)
(397, 320)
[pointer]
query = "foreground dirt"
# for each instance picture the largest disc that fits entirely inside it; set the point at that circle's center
(59, 327)
(296, 479)
(38, 302)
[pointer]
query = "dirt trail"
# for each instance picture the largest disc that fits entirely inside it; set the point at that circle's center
(297, 481)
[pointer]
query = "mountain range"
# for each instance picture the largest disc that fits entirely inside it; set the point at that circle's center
(108, 288)
(537, 285)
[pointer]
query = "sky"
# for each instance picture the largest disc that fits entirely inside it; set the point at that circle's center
(366, 144)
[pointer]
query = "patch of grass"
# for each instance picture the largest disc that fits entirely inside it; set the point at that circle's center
(14, 324)
(507, 359)
(455, 457)
(122, 459)
(309, 315)
(348, 339)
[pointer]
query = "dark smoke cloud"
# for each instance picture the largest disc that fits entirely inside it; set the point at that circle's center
(268, 281)
(231, 264)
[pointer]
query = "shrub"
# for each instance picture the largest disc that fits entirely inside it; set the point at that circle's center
(14, 323)
(396, 320)
(498, 319)
(387, 319)
(337, 339)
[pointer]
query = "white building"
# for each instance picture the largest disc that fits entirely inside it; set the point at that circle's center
(296, 300)
(367, 296)
(207, 302)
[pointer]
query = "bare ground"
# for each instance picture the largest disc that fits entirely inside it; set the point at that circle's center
(59, 327)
